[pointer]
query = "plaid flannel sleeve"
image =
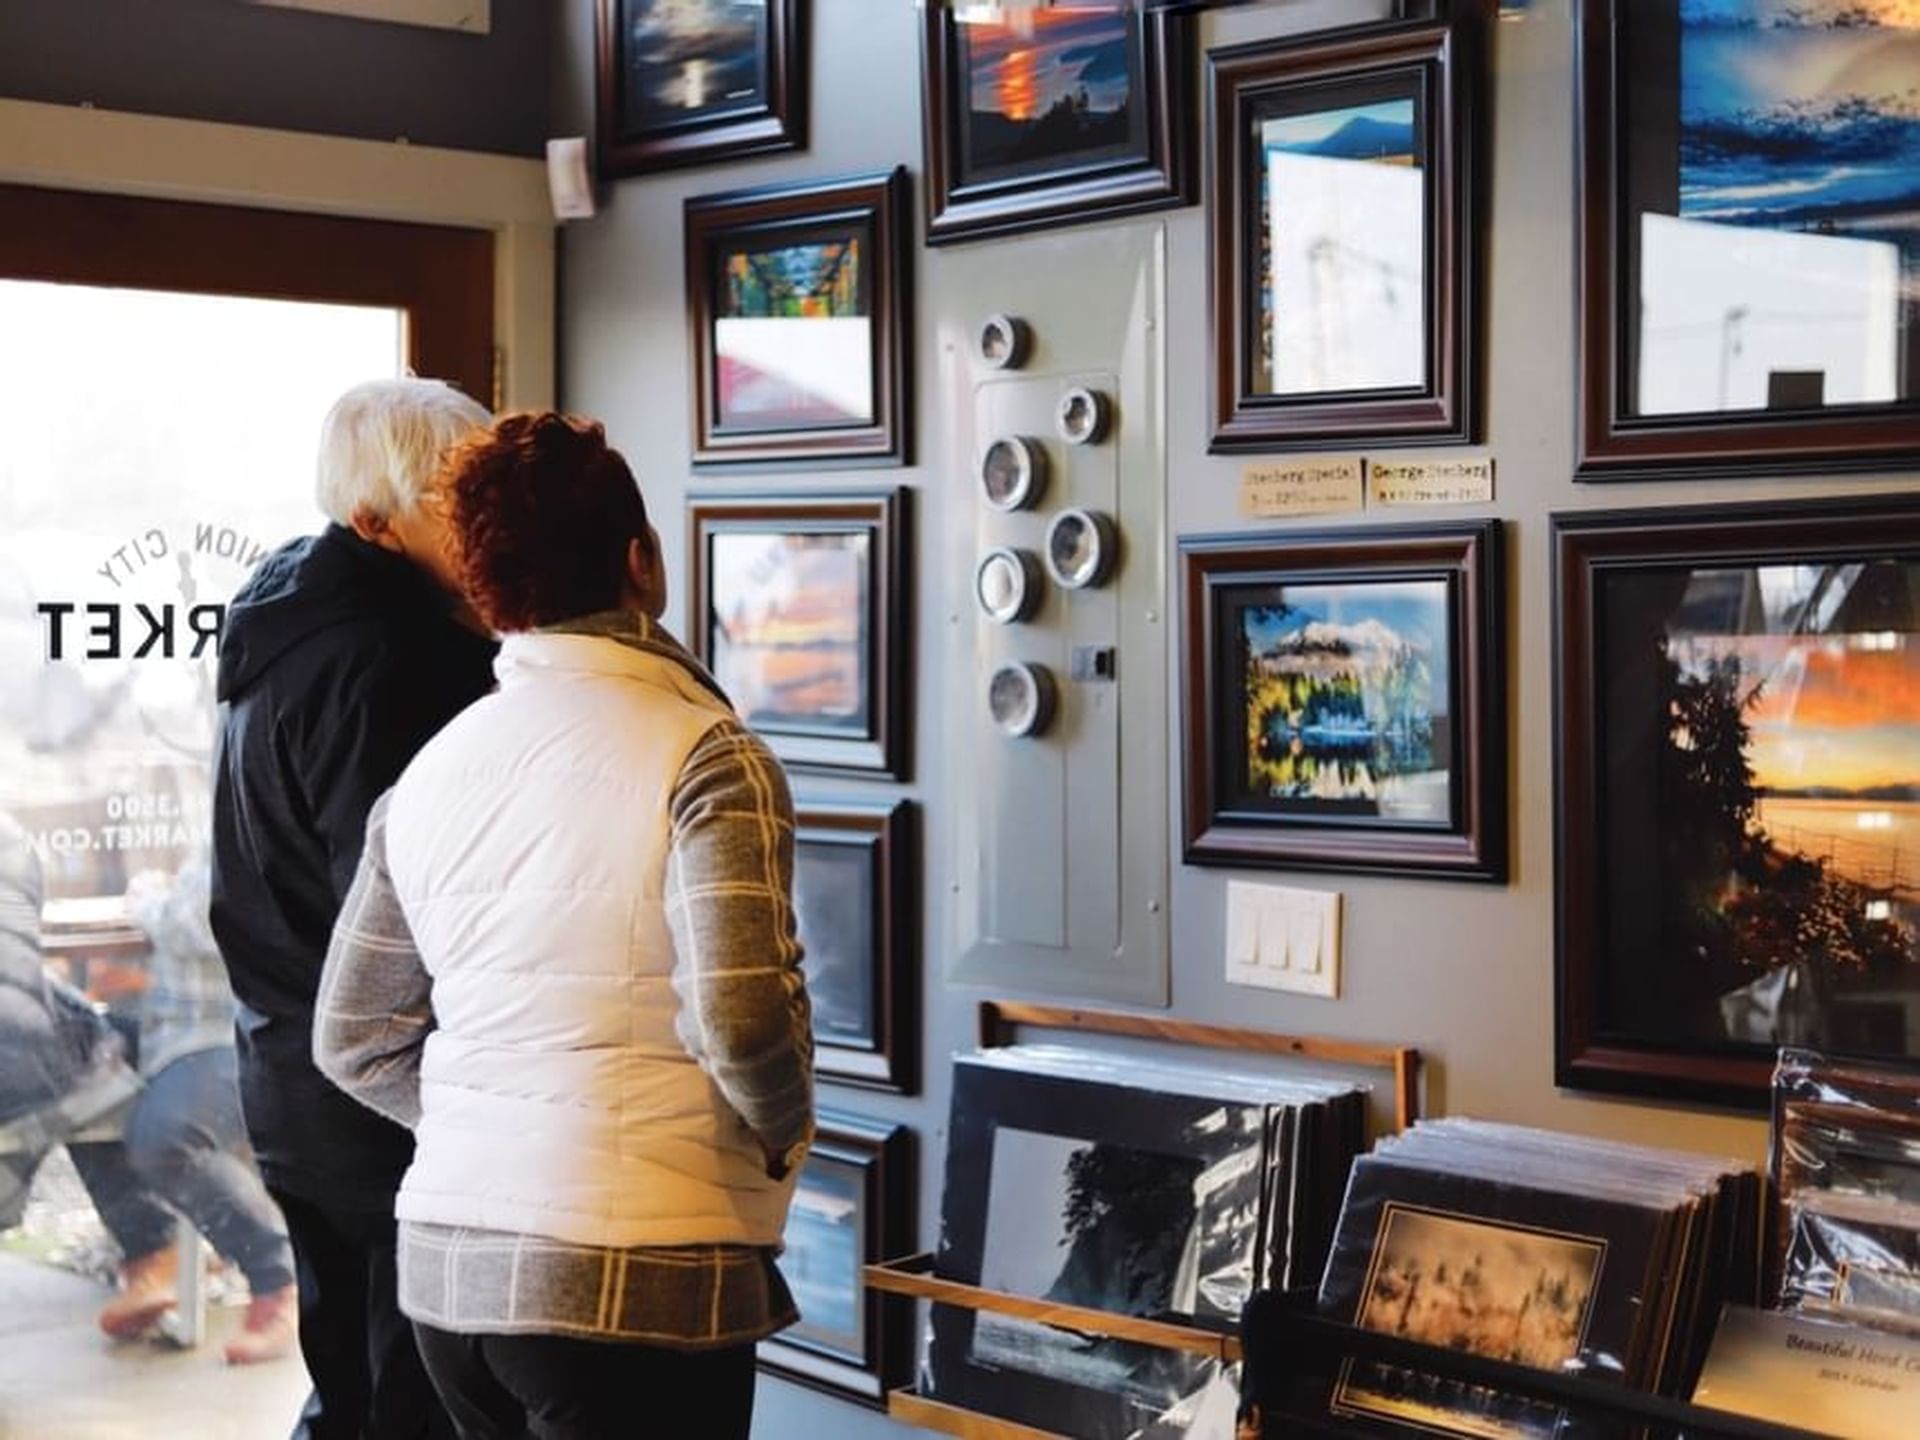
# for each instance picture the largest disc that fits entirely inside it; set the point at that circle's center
(745, 1014)
(374, 1010)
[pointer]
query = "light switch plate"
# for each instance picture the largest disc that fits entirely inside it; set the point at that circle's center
(1280, 938)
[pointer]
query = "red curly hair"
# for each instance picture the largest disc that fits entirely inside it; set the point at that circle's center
(543, 512)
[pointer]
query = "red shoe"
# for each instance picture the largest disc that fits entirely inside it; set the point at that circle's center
(146, 1295)
(269, 1331)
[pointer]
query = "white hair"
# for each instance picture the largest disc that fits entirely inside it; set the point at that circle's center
(382, 442)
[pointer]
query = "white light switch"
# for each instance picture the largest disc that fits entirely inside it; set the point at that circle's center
(1283, 939)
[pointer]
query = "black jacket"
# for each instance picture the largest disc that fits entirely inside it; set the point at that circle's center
(339, 660)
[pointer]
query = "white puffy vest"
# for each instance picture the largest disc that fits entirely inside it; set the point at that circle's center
(528, 845)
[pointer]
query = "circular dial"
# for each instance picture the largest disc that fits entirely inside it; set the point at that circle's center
(1013, 472)
(1020, 698)
(1007, 585)
(1081, 548)
(1083, 416)
(1004, 341)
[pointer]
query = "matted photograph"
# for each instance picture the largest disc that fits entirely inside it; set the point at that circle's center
(796, 611)
(1740, 791)
(1342, 700)
(683, 82)
(855, 870)
(1345, 238)
(1504, 1292)
(1754, 140)
(852, 1207)
(797, 300)
(1040, 117)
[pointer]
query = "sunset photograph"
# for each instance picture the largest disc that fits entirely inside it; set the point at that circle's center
(1049, 88)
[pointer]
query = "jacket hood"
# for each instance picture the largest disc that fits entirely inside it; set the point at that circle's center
(309, 585)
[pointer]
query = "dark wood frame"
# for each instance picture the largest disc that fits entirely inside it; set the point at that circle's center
(1469, 555)
(1445, 60)
(1585, 544)
(880, 204)
(885, 1153)
(1616, 444)
(889, 833)
(1165, 177)
(887, 515)
(780, 124)
(440, 275)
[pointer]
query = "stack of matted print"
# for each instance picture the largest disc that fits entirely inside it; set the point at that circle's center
(1556, 1252)
(1145, 1188)
(1846, 1163)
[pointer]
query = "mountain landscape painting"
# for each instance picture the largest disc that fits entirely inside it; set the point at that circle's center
(1804, 116)
(1047, 89)
(1342, 250)
(1344, 707)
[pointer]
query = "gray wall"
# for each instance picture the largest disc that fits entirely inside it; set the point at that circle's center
(288, 69)
(1463, 971)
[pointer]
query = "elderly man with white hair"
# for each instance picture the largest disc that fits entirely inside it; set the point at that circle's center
(342, 655)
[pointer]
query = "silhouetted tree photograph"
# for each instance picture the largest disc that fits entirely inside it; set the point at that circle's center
(1785, 813)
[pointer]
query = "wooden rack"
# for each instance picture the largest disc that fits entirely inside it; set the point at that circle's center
(913, 1275)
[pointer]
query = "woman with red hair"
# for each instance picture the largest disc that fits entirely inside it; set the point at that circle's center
(568, 962)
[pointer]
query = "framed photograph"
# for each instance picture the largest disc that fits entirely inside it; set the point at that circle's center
(853, 1207)
(855, 890)
(1120, 1193)
(1053, 117)
(1343, 697)
(1345, 238)
(1749, 237)
(683, 82)
(801, 608)
(797, 297)
(1738, 816)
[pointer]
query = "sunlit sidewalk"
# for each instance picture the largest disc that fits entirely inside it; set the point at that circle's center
(61, 1379)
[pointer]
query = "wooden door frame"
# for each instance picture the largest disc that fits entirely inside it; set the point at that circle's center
(67, 148)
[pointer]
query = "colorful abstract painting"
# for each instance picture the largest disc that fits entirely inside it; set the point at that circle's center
(793, 337)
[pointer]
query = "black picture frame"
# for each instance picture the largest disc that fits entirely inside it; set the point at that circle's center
(865, 731)
(1693, 852)
(1314, 760)
(765, 114)
(1428, 72)
(855, 891)
(1152, 168)
(857, 1344)
(1633, 168)
(806, 396)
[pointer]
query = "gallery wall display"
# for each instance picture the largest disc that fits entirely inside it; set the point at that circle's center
(1749, 238)
(1345, 254)
(801, 607)
(1738, 776)
(855, 868)
(684, 82)
(853, 1207)
(1343, 698)
(1052, 117)
(799, 304)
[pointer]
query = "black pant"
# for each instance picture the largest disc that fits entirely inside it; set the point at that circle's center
(368, 1382)
(555, 1387)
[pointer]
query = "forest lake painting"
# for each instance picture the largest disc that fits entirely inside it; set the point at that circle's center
(1050, 89)
(1804, 115)
(1498, 1291)
(1344, 701)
